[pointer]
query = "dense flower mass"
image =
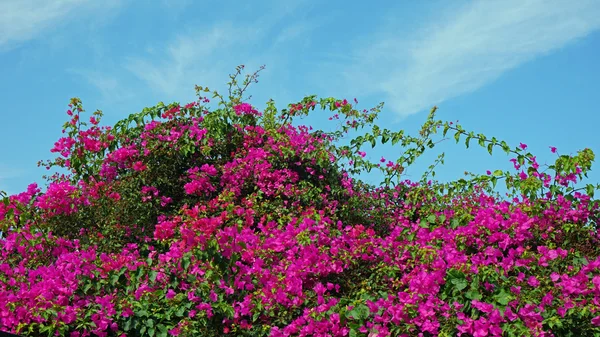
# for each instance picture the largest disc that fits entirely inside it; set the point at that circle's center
(180, 221)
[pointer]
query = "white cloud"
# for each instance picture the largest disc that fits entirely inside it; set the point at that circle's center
(111, 89)
(295, 31)
(23, 20)
(206, 55)
(190, 58)
(176, 4)
(466, 49)
(5, 174)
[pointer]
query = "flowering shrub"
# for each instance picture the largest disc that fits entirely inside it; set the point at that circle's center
(180, 221)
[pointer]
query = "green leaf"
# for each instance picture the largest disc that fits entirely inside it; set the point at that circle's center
(153, 275)
(162, 330)
(457, 136)
(459, 283)
(589, 189)
(473, 295)
(503, 297)
(446, 128)
(185, 262)
(360, 312)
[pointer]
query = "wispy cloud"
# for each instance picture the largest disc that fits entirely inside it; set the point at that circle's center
(295, 31)
(22, 20)
(7, 173)
(176, 4)
(466, 49)
(188, 59)
(206, 55)
(109, 86)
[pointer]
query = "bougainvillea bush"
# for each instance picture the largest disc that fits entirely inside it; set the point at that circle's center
(215, 219)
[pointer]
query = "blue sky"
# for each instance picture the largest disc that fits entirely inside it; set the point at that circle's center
(521, 70)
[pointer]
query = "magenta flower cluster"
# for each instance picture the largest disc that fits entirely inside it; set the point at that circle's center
(258, 231)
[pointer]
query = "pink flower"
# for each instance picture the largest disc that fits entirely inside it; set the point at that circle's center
(509, 314)
(245, 109)
(482, 327)
(139, 166)
(213, 296)
(533, 281)
(164, 230)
